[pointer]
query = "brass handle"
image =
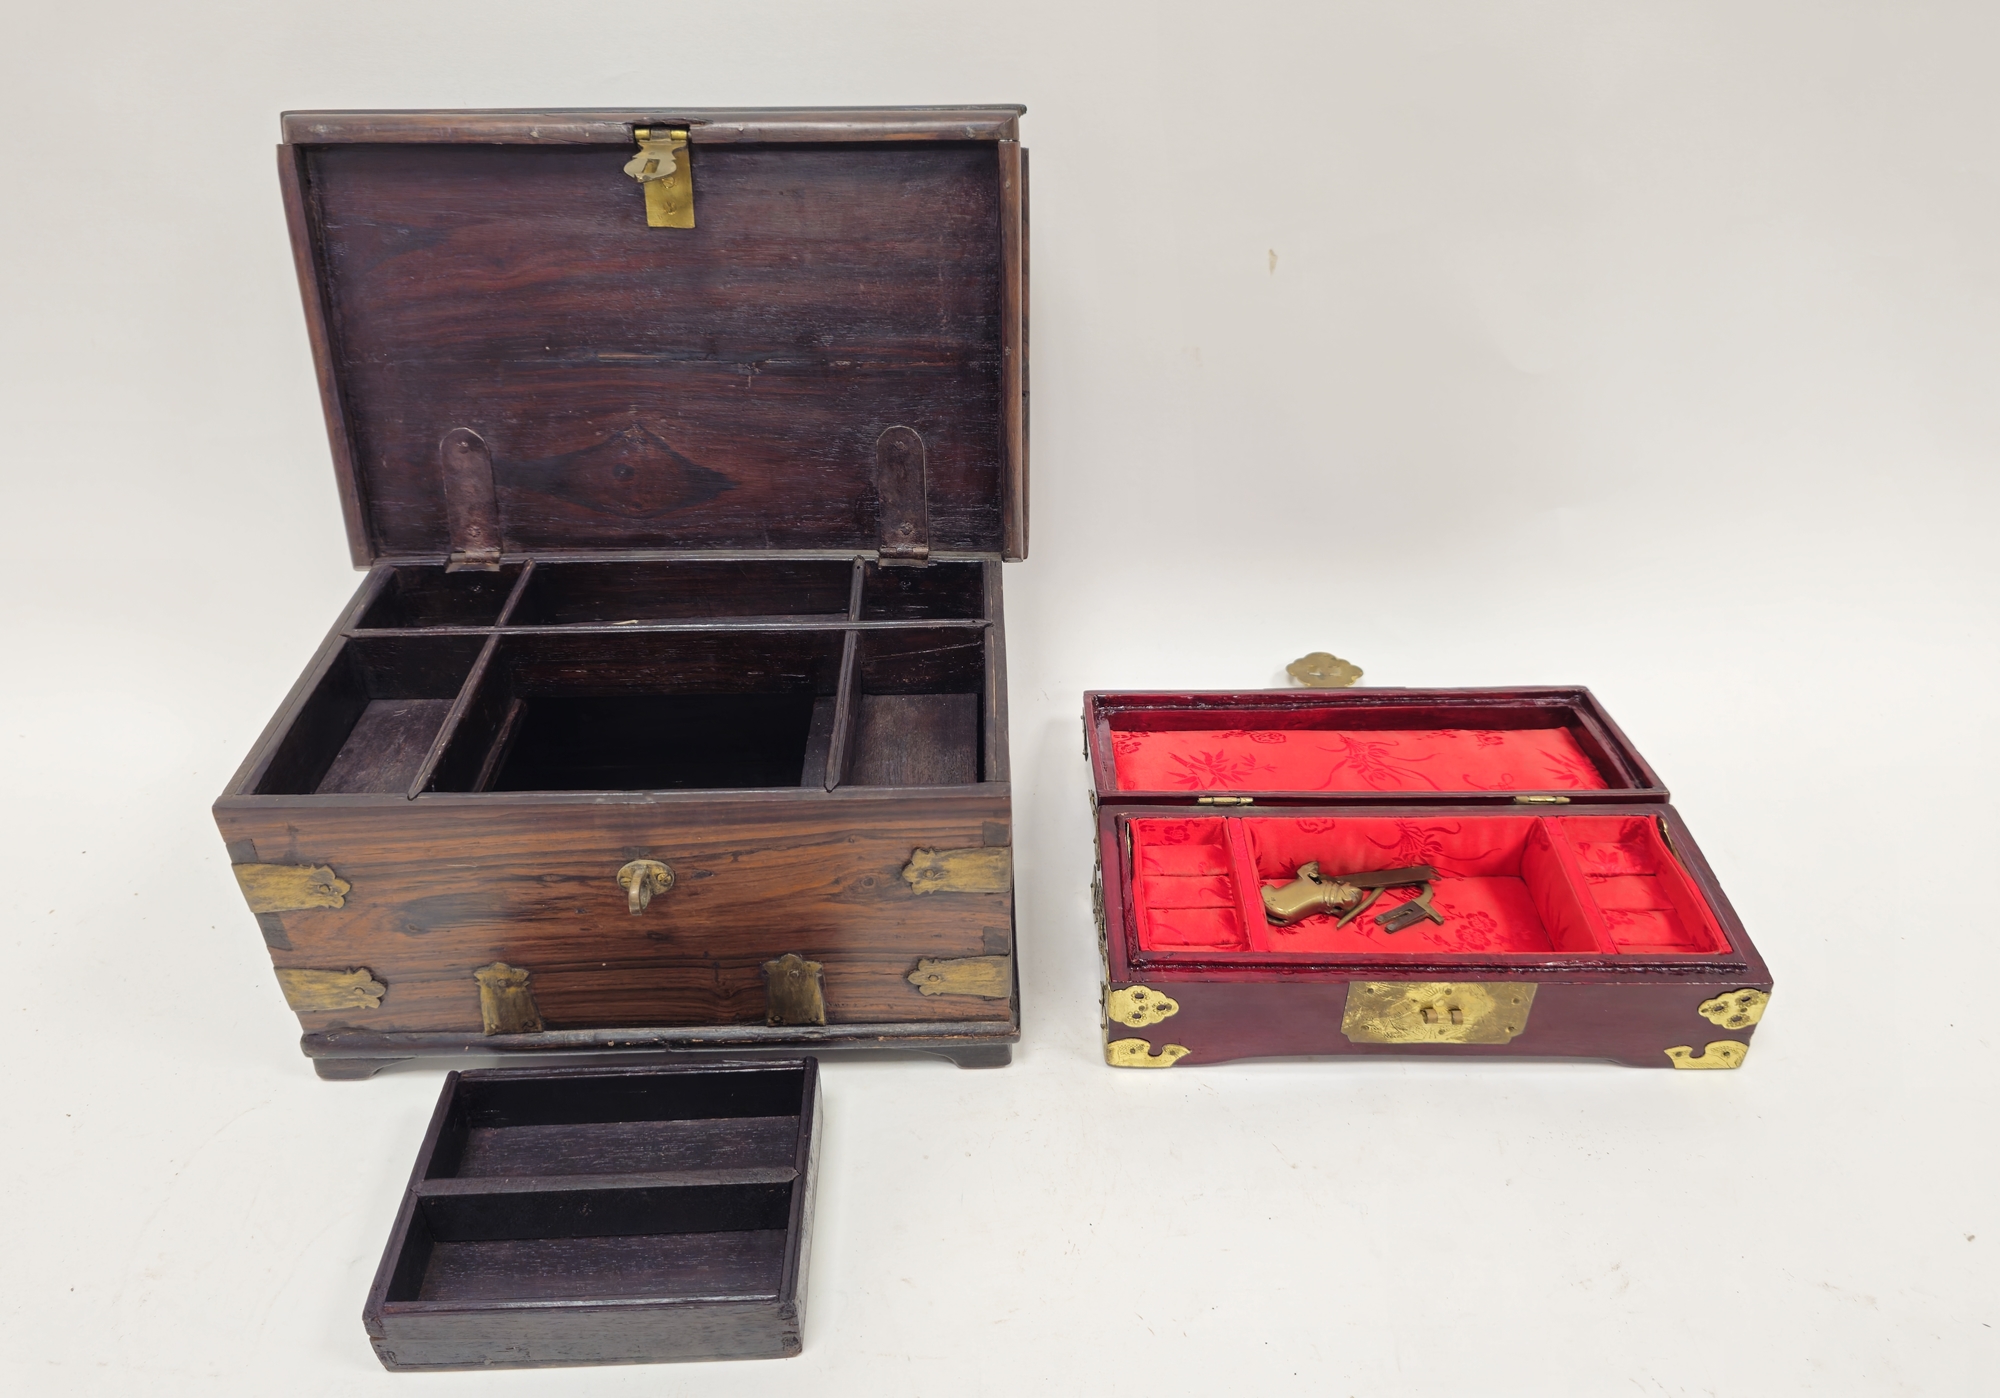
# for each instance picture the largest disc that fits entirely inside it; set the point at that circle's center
(641, 879)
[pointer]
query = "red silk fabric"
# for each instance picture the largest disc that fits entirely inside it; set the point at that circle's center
(1331, 759)
(1508, 885)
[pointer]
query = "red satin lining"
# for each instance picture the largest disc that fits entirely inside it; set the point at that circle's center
(1331, 759)
(1510, 885)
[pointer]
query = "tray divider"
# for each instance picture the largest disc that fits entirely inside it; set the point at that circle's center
(514, 597)
(1579, 882)
(1248, 887)
(846, 712)
(645, 1179)
(855, 586)
(459, 705)
(994, 764)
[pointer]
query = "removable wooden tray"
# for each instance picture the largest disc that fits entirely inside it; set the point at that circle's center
(564, 1216)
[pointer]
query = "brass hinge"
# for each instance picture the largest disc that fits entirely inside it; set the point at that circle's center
(1541, 800)
(662, 169)
(1225, 800)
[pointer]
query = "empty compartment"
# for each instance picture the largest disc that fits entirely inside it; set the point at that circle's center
(610, 594)
(649, 711)
(1648, 906)
(1185, 886)
(370, 722)
(917, 710)
(568, 1184)
(1419, 744)
(620, 1125)
(937, 591)
(435, 597)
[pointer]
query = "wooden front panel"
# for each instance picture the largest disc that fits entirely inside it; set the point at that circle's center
(441, 886)
(1599, 1015)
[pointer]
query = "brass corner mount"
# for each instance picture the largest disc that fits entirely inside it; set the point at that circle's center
(1321, 670)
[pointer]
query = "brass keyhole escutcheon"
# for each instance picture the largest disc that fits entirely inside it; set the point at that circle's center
(642, 879)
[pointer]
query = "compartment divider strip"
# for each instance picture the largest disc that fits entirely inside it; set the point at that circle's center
(459, 705)
(993, 724)
(829, 621)
(461, 1186)
(854, 589)
(514, 597)
(1572, 868)
(846, 712)
(1249, 888)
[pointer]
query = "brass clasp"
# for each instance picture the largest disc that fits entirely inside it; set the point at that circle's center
(662, 170)
(641, 880)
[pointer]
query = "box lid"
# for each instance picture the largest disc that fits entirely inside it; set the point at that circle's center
(1372, 746)
(513, 361)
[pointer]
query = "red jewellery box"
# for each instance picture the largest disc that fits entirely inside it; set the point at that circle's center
(1567, 912)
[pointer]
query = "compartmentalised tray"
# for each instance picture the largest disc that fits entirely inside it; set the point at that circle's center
(649, 676)
(603, 1216)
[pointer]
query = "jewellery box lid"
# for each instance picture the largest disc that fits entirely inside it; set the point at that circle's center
(1532, 746)
(514, 362)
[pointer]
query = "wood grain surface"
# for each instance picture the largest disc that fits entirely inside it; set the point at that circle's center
(442, 886)
(721, 386)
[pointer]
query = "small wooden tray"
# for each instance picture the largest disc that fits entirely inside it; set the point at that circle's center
(562, 1216)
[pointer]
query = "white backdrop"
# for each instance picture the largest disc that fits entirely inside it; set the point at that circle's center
(1648, 346)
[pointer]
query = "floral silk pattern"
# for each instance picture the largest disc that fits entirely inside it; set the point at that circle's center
(1507, 884)
(1321, 759)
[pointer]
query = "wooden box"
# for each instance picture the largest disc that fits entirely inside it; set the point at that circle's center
(1580, 919)
(671, 713)
(604, 1216)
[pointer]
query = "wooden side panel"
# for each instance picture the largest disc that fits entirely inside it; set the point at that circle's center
(442, 886)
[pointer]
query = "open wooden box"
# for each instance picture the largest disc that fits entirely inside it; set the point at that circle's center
(672, 711)
(606, 1216)
(1580, 919)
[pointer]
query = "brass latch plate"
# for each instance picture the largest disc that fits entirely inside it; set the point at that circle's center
(1436, 1012)
(661, 167)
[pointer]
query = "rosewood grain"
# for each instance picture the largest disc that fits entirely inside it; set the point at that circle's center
(665, 635)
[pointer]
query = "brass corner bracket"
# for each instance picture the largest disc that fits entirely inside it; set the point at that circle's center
(1137, 1053)
(989, 869)
(1137, 1006)
(1723, 1053)
(316, 992)
(1739, 1009)
(988, 977)
(794, 991)
(506, 1005)
(291, 888)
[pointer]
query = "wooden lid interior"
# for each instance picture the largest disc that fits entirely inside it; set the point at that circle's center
(721, 387)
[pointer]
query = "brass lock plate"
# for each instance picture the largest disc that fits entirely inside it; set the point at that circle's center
(1436, 1012)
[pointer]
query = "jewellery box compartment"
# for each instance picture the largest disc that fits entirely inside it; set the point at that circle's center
(1574, 915)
